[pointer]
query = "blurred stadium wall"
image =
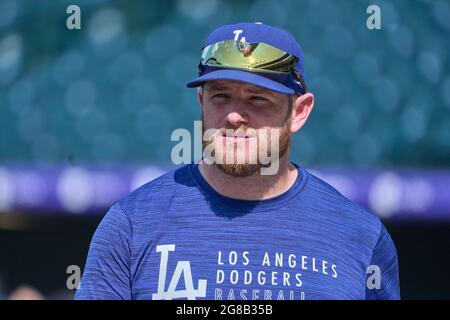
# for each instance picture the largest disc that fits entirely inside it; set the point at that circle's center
(86, 116)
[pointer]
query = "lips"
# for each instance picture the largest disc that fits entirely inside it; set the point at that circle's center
(238, 135)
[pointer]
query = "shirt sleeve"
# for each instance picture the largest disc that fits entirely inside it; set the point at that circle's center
(107, 272)
(384, 265)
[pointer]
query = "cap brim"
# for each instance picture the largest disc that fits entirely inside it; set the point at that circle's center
(243, 76)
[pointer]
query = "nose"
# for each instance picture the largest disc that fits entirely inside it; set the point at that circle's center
(236, 118)
(237, 115)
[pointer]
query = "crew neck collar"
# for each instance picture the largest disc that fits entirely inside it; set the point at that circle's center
(278, 201)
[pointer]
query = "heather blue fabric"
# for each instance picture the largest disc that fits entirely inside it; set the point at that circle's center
(177, 238)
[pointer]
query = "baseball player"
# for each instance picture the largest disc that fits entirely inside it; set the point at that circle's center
(243, 224)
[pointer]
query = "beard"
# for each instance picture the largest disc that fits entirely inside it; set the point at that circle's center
(250, 169)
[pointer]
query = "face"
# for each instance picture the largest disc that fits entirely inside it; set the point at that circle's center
(244, 126)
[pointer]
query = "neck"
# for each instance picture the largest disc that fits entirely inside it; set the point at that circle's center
(256, 187)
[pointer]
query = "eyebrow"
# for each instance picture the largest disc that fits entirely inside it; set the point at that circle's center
(216, 87)
(257, 91)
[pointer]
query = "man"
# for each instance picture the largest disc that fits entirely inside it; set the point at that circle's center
(244, 223)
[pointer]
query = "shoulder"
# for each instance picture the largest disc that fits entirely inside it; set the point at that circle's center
(328, 196)
(157, 194)
(335, 208)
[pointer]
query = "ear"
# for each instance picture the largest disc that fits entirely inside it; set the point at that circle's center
(301, 110)
(200, 96)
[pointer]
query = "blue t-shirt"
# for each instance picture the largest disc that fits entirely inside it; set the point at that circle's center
(177, 238)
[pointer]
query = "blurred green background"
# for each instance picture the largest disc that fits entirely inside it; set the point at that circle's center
(114, 90)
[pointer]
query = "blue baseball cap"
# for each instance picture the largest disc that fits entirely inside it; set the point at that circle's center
(256, 33)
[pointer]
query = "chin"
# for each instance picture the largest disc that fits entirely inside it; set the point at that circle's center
(239, 170)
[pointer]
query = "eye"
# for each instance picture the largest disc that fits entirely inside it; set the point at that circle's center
(259, 99)
(221, 96)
